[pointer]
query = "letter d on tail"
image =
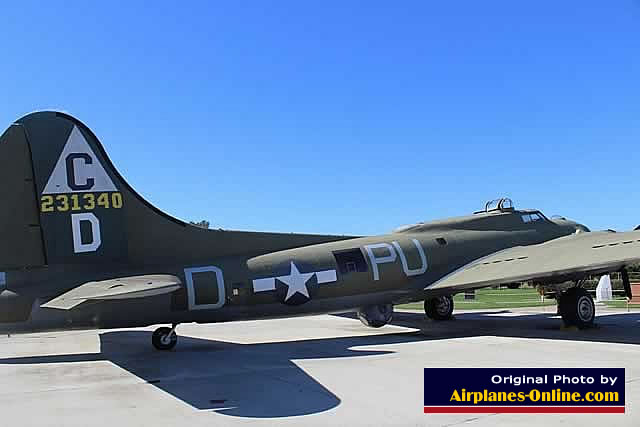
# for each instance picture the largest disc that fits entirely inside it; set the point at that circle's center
(96, 239)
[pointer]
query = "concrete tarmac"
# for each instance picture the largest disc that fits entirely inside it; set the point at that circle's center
(321, 370)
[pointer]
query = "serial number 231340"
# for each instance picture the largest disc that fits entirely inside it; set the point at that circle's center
(80, 202)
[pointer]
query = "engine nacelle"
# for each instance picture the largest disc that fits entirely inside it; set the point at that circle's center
(376, 316)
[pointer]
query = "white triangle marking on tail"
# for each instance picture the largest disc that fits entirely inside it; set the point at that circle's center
(88, 174)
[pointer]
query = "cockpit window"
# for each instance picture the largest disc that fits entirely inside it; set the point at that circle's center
(532, 217)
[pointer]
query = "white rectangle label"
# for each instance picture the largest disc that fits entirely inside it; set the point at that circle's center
(326, 276)
(267, 284)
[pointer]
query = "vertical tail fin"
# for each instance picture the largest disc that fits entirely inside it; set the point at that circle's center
(62, 202)
(69, 196)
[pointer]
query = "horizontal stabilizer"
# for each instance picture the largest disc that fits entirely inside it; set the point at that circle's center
(121, 288)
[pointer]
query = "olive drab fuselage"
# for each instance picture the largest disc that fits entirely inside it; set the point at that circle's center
(323, 278)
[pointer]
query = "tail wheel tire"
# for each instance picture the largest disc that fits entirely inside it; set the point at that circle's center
(440, 308)
(164, 338)
(577, 308)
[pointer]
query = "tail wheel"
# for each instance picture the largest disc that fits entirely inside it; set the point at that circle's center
(164, 338)
(577, 308)
(440, 308)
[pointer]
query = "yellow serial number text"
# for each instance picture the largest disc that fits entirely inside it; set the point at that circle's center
(80, 202)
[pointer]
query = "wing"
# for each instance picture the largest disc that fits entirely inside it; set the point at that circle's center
(121, 288)
(554, 261)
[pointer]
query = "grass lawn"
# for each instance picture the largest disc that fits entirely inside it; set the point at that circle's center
(621, 303)
(506, 298)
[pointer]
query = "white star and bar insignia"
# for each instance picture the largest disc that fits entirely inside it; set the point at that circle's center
(295, 281)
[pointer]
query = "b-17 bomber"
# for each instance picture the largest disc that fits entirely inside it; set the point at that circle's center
(80, 249)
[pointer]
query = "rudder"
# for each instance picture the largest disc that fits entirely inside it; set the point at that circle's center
(21, 243)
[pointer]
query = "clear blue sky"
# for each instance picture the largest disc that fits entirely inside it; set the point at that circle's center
(345, 117)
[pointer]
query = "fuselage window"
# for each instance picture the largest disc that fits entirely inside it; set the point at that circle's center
(441, 241)
(350, 261)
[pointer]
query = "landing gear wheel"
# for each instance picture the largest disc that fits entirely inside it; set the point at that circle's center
(376, 316)
(577, 308)
(440, 308)
(164, 338)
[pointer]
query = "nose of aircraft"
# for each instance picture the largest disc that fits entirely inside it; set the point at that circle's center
(581, 228)
(573, 226)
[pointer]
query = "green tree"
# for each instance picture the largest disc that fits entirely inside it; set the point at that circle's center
(202, 224)
(634, 268)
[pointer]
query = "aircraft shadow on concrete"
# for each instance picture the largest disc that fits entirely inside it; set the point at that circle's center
(262, 380)
(246, 380)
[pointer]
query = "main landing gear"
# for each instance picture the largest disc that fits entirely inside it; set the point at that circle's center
(577, 308)
(439, 308)
(165, 338)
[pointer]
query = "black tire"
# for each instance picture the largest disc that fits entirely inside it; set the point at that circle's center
(440, 308)
(577, 308)
(376, 316)
(161, 339)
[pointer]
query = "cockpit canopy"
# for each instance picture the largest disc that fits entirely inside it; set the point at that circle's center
(506, 205)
